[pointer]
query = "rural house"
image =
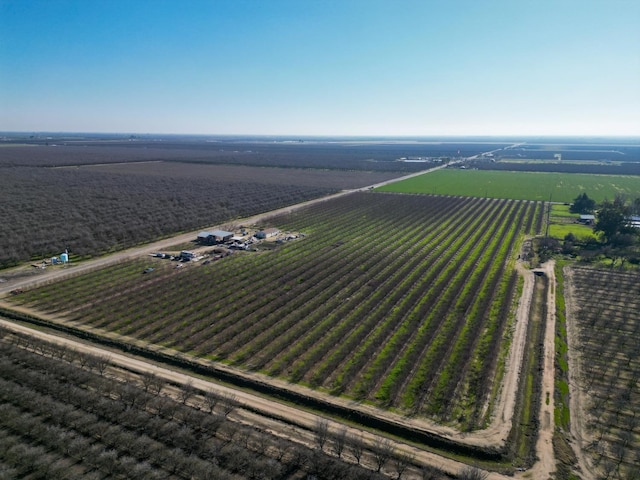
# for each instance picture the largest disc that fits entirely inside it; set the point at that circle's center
(216, 236)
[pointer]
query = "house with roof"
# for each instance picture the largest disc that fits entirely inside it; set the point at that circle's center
(214, 237)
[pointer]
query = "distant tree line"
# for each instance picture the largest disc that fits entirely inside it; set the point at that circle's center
(371, 157)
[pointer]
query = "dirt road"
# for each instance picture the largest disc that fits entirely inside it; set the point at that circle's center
(546, 463)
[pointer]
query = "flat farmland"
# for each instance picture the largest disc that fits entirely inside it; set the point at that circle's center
(605, 313)
(559, 187)
(97, 209)
(346, 154)
(400, 301)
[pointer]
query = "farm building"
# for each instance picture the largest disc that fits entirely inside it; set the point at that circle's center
(587, 219)
(213, 237)
(267, 233)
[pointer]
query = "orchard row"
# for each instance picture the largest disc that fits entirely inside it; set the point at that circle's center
(608, 320)
(65, 415)
(399, 300)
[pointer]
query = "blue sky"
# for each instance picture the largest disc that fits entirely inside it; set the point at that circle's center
(311, 67)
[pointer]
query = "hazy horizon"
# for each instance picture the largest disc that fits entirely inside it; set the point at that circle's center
(352, 68)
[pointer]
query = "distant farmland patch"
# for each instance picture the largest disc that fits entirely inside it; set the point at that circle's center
(559, 187)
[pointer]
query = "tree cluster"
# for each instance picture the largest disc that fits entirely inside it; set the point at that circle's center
(612, 220)
(619, 238)
(582, 204)
(363, 157)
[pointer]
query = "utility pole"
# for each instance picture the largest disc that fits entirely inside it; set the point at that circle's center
(548, 217)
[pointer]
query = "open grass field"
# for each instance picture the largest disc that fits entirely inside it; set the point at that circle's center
(562, 222)
(402, 301)
(560, 231)
(557, 187)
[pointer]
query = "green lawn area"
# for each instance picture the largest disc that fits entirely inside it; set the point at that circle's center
(559, 231)
(559, 187)
(562, 222)
(558, 210)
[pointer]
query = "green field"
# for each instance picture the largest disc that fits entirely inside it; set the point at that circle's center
(559, 187)
(563, 222)
(560, 231)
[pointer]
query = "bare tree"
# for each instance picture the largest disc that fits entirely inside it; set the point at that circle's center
(83, 359)
(151, 383)
(262, 443)
(427, 472)
(131, 395)
(100, 363)
(355, 445)
(186, 392)
(211, 399)
(382, 450)
(338, 438)
(321, 432)
(472, 473)
(229, 402)
(401, 462)
(280, 449)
